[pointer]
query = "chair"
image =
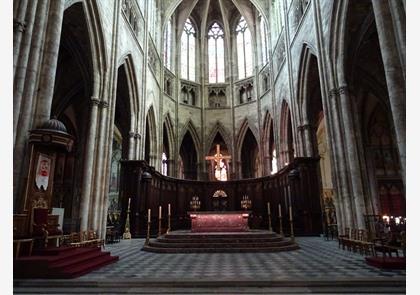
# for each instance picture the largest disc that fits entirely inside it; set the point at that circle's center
(343, 238)
(40, 227)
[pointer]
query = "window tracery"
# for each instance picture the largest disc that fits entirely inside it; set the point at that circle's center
(216, 54)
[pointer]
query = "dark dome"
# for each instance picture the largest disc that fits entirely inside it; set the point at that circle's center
(54, 124)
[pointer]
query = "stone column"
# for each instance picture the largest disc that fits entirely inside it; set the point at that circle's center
(27, 69)
(131, 145)
(23, 98)
(88, 166)
(49, 62)
(137, 138)
(354, 173)
(20, 22)
(393, 73)
(340, 158)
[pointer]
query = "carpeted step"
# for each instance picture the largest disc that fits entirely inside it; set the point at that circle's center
(51, 251)
(77, 259)
(84, 267)
(239, 235)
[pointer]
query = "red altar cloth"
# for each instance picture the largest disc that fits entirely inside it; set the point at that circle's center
(225, 221)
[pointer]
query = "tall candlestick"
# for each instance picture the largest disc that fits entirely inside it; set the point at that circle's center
(169, 209)
(269, 217)
(279, 210)
(148, 215)
(129, 201)
(290, 212)
(160, 212)
(268, 207)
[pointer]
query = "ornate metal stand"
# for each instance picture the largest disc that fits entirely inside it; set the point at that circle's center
(127, 233)
(281, 227)
(270, 228)
(169, 223)
(160, 226)
(148, 233)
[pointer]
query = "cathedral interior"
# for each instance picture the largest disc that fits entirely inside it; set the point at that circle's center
(124, 106)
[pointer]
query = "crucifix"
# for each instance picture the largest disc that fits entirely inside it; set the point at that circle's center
(218, 157)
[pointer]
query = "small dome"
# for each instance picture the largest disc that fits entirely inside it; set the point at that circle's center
(54, 124)
(146, 175)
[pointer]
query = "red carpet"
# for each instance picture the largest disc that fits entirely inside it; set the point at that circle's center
(386, 262)
(61, 263)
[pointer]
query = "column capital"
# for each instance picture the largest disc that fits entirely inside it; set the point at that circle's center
(95, 101)
(137, 135)
(19, 26)
(304, 126)
(104, 104)
(131, 134)
(332, 93)
(343, 89)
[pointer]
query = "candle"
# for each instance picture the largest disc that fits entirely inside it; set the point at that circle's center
(169, 209)
(290, 212)
(129, 200)
(160, 212)
(268, 208)
(148, 215)
(279, 210)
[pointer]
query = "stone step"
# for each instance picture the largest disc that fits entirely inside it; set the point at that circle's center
(208, 244)
(221, 250)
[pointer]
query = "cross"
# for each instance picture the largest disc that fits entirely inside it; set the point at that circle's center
(218, 157)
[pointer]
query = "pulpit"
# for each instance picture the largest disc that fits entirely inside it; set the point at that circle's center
(222, 221)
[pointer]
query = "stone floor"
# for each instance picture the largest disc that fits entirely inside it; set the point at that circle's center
(318, 262)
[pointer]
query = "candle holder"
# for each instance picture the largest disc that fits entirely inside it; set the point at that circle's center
(169, 223)
(246, 203)
(195, 203)
(270, 228)
(281, 226)
(148, 233)
(160, 226)
(292, 234)
(127, 233)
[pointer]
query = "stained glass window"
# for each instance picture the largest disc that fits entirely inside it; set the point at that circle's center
(216, 54)
(244, 49)
(264, 49)
(188, 51)
(168, 45)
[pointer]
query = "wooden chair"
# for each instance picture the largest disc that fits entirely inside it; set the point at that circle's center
(341, 238)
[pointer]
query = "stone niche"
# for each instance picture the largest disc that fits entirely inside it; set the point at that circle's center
(168, 86)
(245, 90)
(217, 97)
(189, 93)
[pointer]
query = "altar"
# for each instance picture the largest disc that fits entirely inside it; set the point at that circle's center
(219, 221)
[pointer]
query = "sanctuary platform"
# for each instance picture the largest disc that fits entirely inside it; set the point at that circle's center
(185, 241)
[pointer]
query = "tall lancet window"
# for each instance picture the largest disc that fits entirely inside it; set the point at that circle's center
(164, 164)
(168, 45)
(244, 48)
(216, 52)
(188, 51)
(264, 49)
(274, 168)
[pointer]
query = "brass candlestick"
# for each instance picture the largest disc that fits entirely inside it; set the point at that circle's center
(148, 228)
(280, 223)
(292, 235)
(270, 228)
(169, 219)
(160, 221)
(127, 233)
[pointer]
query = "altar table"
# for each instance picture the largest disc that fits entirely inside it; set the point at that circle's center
(214, 221)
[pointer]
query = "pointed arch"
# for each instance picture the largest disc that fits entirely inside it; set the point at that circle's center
(218, 128)
(188, 152)
(97, 44)
(268, 143)
(286, 152)
(168, 132)
(248, 132)
(306, 59)
(189, 127)
(151, 137)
